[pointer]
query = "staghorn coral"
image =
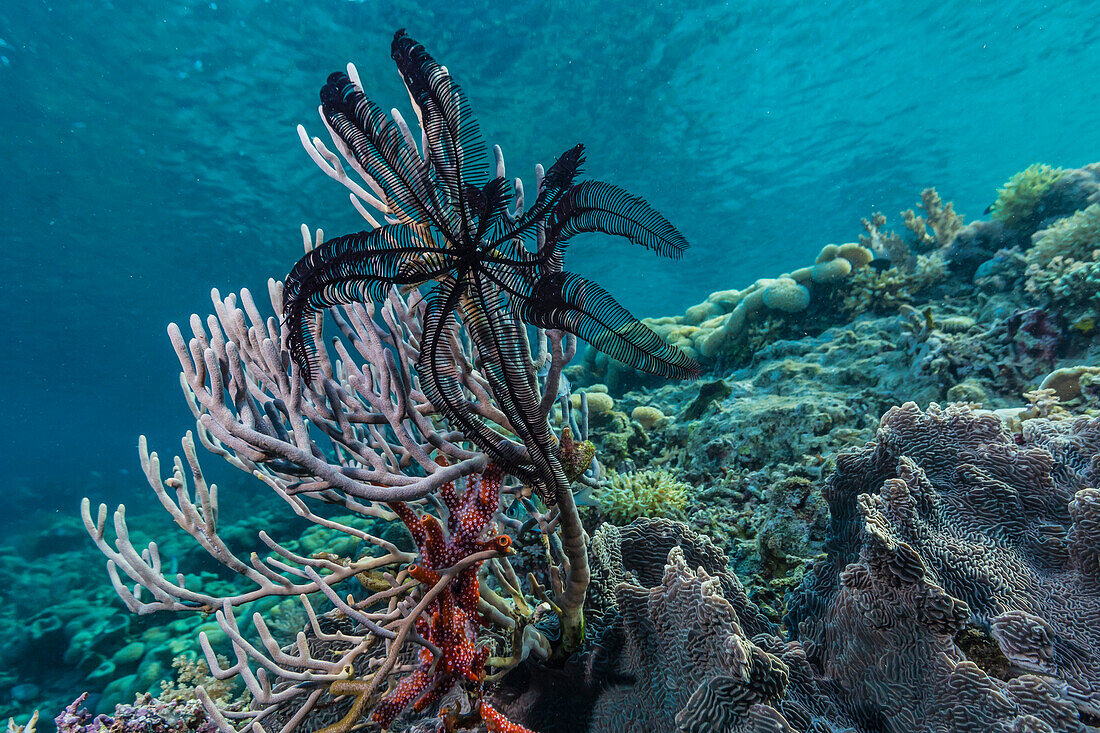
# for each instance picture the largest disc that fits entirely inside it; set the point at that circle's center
(887, 246)
(29, 727)
(626, 496)
(1021, 196)
(941, 219)
(947, 520)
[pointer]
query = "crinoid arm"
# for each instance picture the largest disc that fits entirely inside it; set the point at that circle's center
(355, 268)
(441, 379)
(595, 206)
(569, 302)
(555, 183)
(380, 151)
(456, 150)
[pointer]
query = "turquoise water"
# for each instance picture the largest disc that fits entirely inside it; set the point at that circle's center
(149, 153)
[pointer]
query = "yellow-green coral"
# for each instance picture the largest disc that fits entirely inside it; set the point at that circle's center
(627, 496)
(1017, 199)
(1075, 237)
(1064, 265)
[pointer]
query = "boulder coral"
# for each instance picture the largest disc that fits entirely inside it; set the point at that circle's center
(648, 417)
(705, 330)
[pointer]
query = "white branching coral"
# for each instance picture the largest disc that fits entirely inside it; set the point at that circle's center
(362, 437)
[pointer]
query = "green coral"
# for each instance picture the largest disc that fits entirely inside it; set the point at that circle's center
(1017, 199)
(627, 496)
(1075, 237)
(1064, 266)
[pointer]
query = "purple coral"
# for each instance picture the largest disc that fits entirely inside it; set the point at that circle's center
(946, 524)
(146, 715)
(1034, 333)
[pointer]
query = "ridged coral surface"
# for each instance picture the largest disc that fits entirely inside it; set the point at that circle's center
(947, 522)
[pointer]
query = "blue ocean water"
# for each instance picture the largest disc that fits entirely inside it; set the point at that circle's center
(149, 153)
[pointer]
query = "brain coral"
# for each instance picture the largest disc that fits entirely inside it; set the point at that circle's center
(947, 521)
(697, 652)
(695, 665)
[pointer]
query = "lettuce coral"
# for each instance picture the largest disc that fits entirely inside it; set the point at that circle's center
(947, 522)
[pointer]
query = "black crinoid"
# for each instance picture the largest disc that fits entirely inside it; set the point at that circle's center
(494, 268)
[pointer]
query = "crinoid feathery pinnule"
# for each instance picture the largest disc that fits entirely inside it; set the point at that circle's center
(494, 265)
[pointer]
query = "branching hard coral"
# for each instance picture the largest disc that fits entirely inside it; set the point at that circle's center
(1075, 237)
(886, 245)
(29, 727)
(941, 219)
(627, 496)
(1018, 198)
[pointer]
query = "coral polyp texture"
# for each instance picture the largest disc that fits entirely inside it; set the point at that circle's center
(947, 529)
(654, 493)
(450, 620)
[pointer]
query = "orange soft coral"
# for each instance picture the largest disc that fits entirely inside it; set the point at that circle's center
(451, 620)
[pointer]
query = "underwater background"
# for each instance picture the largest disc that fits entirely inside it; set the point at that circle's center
(149, 153)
